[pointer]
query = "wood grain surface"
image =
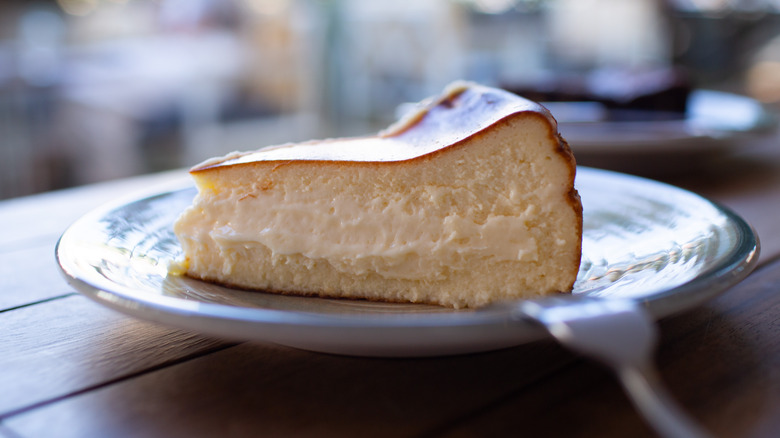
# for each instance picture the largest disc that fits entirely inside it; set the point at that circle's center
(72, 368)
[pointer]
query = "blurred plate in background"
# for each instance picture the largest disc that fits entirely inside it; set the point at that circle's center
(714, 122)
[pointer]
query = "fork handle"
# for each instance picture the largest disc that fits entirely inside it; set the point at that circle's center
(648, 394)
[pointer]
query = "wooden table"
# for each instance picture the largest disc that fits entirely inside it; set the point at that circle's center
(70, 367)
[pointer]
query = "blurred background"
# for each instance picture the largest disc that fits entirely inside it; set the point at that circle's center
(92, 90)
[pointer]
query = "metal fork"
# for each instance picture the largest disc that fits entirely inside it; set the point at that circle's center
(621, 335)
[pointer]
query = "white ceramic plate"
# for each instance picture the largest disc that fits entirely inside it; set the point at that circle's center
(662, 246)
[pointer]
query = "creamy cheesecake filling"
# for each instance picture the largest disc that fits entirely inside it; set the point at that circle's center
(386, 239)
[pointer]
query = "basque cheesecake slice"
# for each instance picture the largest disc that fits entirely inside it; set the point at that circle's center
(466, 201)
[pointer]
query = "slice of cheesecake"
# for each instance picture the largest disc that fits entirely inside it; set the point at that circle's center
(469, 200)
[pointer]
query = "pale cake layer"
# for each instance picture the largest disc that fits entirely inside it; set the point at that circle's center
(490, 216)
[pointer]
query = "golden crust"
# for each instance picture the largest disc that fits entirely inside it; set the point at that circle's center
(464, 113)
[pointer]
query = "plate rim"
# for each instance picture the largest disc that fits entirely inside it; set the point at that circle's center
(212, 318)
